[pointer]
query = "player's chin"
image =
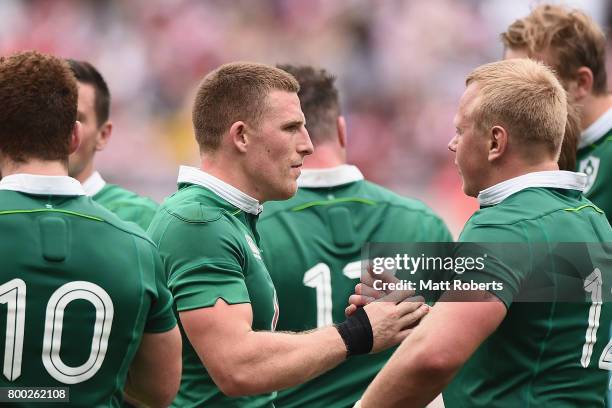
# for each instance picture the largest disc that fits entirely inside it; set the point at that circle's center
(289, 190)
(285, 192)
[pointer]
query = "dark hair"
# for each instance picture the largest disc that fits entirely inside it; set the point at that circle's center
(235, 92)
(38, 96)
(319, 100)
(88, 74)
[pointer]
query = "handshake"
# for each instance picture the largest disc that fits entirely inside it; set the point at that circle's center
(377, 320)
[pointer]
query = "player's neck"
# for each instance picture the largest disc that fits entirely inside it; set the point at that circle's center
(232, 175)
(517, 169)
(593, 107)
(325, 156)
(34, 166)
(86, 173)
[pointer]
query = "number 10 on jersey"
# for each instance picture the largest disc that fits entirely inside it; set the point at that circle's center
(13, 294)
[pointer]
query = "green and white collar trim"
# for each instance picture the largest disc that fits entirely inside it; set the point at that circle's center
(42, 185)
(331, 177)
(597, 130)
(94, 184)
(226, 191)
(551, 179)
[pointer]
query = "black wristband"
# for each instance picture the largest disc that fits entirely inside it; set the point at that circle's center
(356, 331)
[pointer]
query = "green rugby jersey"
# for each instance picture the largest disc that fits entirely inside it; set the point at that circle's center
(128, 205)
(209, 247)
(312, 246)
(594, 158)
(78, 287)
(545, 354)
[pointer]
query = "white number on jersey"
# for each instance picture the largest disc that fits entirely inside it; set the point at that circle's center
(593, 284)
(13, 293)
(319, 278)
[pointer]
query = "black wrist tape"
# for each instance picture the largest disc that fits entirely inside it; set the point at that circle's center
(356, 331)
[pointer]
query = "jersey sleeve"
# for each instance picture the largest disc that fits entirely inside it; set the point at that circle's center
(161, 316)
(204, 263)
(505, 259)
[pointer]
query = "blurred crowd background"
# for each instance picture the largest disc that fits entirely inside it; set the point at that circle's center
(400, 64)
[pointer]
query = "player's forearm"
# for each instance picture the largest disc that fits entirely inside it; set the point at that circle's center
(273, 361)
(427, 361)
(412, 378)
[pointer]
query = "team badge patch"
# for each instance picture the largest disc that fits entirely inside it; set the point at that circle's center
(253, 246)
(590, 167)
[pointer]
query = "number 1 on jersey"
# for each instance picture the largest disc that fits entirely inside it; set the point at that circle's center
(319, 278)
(13, 294)
(593, 284)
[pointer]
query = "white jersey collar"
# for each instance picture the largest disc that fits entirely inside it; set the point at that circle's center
(330, 177)
(226, 191)
(551, 179)
(597, 130)
(93, 184)
(42, 185)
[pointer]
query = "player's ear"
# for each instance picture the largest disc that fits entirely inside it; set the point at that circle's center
(104, 135)
(76, 136)
(582, 84)
(238, 136)
(341, 125)
(498, 142)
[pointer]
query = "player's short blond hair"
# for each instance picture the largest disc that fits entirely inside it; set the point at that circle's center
(524, 97)
(568, 38)
(235, 92)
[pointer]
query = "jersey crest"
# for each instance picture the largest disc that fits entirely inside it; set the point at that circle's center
(590, 167)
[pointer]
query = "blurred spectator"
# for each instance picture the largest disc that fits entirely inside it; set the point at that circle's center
(400, 67)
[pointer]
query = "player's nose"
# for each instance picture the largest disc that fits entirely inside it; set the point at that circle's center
(305, 146)
(452, 145)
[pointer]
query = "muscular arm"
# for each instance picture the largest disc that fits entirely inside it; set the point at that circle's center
(426, 362)
(245, 362)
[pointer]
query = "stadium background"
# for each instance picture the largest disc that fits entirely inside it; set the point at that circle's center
(400, 65)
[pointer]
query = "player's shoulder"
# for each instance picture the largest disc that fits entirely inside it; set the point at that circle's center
(189, 211)
(528, 205)
(113, 220)
(188, 205)
(362, 191)
(10, 200)
(382, 194)
(116, 196)
(528, 211)
(81, 207)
